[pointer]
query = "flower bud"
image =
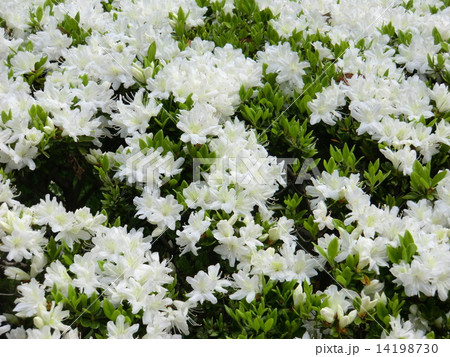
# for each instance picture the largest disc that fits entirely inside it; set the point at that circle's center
(367, 305)
(328, 314)
(38, 262)
(38, 322)
(274, 234)
(16, 274)
(263, 237)
(138, 73)
(299, 296)
(346, 320)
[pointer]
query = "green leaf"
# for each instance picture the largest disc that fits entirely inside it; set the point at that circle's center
(330, 166)
(382, 311)
(6, 117)
(256, 325)
(407, 239)
(108, 309)
(151, 52)
(394, 254)
(341, 280)
(85, 322)
(72, 294)
(437, 36)
(321, 251)
(268, 287)
(117, 222)
(39, 13)
(333, 249)
(105, 163)
(84, 300)
(230, 312)
(438, 177)
(350, 261)
(268, 325)
(67, 260)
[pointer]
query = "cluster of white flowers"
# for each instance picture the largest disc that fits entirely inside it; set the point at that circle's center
(241, 162)
(282, 60)
(390, 102)
(213, 75)
(384, 85)
(378, 228)
(18, 142)
(390, 114)
(129, 271)
(107, 59)
(149, 167)
(134, 117)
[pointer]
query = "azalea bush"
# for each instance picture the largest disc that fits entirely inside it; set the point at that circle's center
(224, 169)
